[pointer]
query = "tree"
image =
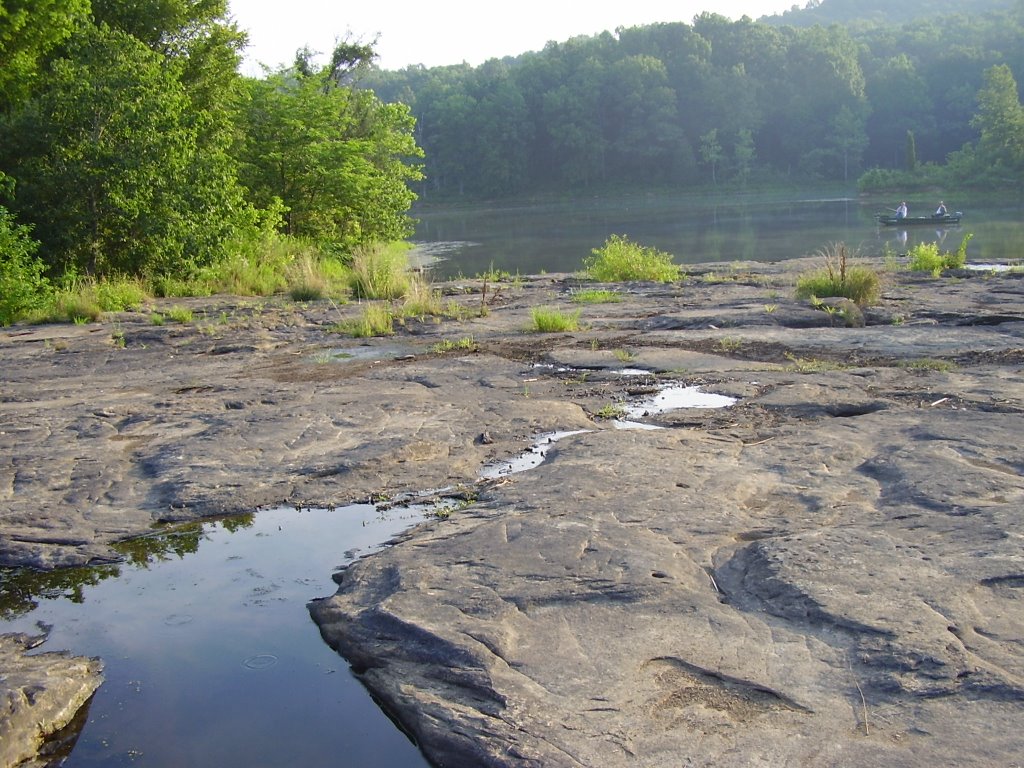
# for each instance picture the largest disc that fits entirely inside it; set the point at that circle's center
(711, 152)
(29, 29)
(911, 152)
(114, 124)
(744, 155)
(1000, 119)
(337, 157)
(849, 138)
(23, 286)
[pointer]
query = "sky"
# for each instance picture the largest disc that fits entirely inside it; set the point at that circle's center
(439, 32)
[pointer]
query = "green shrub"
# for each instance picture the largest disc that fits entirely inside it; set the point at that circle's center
(23, 286)
(860, 284)
(619, 260)
(120, 293)
(925, 257)
(550, 320)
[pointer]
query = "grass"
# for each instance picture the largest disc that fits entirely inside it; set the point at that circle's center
(551, 320)
(380, 272)
(729, 344)
(375, 320)
(596, 296)
(839, 277)
(619, 260)
(928, 364)
(624, 355)
(805, 365)
(421, 300)
(610, 411)
(180, 314)
(465, 344)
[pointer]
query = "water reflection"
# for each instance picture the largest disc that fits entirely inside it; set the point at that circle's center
(210, 655)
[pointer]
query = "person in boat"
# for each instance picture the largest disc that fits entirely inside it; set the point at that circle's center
(901, 212)
(941, 210)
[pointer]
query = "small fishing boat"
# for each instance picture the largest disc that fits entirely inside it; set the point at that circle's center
(946, 220)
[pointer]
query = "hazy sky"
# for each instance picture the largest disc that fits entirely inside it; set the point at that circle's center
(437, 32)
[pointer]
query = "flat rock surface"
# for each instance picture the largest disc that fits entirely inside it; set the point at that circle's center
(828, 572)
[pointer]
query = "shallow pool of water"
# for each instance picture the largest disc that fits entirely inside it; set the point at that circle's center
(675, 397)
(211, 657)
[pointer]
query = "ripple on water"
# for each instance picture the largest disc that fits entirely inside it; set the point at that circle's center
(260, 661)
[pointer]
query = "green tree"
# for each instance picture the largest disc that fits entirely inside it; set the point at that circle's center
(29, 29)
(338, 158)
(1000, 120)
(849, 138)
(910, 154)
(900, 102)
(744, 155)
(711, 152)
(113, 123)
(23, 286)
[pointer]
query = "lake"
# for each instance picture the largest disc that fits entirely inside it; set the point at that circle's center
(556, 237)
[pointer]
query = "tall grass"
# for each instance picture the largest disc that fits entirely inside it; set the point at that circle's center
(839, 277)
(380, 271)
(619, 259)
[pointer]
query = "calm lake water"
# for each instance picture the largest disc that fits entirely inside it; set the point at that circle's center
(529, 239)
(211, 657)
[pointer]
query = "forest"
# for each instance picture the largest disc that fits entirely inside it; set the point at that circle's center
(132, 147)
(720, 102)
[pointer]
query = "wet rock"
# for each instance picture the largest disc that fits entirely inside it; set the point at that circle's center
(41, 695)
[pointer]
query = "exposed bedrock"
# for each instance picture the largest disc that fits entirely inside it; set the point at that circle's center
(846, 592)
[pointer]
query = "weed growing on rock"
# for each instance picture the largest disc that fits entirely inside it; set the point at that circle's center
(551, 320)
(179, 314)
(375, 320)
(840, 278)
(619, 260)
(926, 257)
(804, 365)
(465, 344)
(610, 411)
(928, 364)
(596, 296)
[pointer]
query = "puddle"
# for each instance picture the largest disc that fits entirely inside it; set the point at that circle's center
(622, 424)
(529, 459)
(363, 352)
(994, 267)
(211, 657)
(673, 398)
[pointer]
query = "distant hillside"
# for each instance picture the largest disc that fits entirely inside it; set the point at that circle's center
(826, 12)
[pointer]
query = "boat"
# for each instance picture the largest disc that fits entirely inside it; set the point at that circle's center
(946, 220)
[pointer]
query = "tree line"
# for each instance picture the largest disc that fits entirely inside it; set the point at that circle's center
(717, 101)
